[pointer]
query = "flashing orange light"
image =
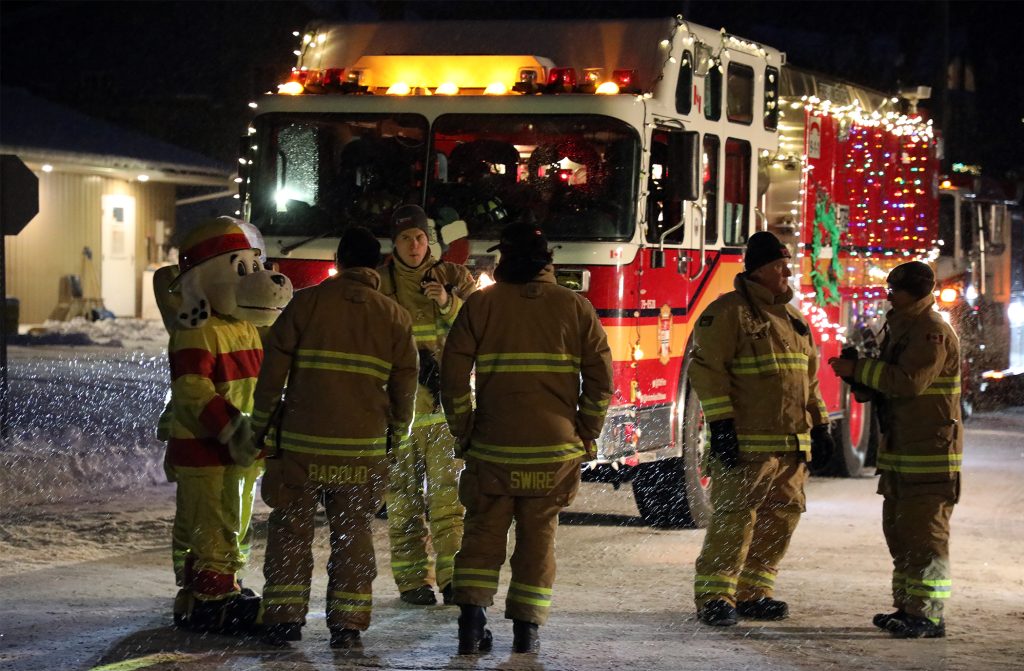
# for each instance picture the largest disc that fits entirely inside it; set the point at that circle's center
(496, 89)
(948, 295)
(399, 89)
(290, 88)
(946, 184)
(447, 89)
(607, 89)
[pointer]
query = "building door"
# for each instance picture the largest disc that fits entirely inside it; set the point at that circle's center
(118, 257)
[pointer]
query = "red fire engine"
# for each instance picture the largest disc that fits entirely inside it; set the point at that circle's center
(649, 151)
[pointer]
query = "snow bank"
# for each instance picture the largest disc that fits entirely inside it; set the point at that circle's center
(82, 420)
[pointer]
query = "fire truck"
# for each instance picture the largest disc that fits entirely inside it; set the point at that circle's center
(980, 275)
(647, 150)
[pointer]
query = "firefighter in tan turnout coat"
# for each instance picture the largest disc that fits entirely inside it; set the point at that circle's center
(754, 370)
(423, 483)
(916, 381)
(543, 380)
(347, 355)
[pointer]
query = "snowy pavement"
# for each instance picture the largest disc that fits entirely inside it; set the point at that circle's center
(85, 580)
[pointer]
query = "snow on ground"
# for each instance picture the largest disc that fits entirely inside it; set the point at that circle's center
(84, 401)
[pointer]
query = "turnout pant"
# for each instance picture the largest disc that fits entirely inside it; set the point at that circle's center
(915, 521)
(211, 535)
(478, 563)
(427, 456)
(757, 506)
(288, 567)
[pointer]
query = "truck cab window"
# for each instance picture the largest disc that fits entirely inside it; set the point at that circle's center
(709, 176)
(736, 217)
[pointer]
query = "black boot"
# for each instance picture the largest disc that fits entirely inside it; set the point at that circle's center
(448, 594)
(881, 620)
(718, 613)
(346, 639)
(911, 626)
(279, 635)
(240, 614)
(182, 608)
(764, 608)
(419, 596)
(525, 637)
(474, 636)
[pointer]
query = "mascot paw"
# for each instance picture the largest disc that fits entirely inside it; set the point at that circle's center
(242, 446)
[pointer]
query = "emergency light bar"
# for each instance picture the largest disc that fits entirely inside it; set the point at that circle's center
(452, 75)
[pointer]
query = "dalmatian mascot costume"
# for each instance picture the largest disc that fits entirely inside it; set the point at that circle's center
(212, 308)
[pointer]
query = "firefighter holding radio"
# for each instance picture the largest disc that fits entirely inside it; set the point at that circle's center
(915, 387)
(431, 291)
(754, 370)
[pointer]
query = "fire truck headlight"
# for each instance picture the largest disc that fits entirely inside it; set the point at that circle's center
(948, 295)
(1015, 311)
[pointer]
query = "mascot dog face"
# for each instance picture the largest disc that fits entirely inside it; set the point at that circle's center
(221, 272)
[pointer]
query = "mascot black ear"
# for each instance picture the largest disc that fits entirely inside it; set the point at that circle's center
(195, 307)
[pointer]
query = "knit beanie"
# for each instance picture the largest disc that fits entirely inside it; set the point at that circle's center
(763, 248)
(358, 248)
(914, 277)
(406, 217)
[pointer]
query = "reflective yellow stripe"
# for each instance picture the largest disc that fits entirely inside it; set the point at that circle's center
(527, 362)
(920, 463)
(716, 406)
(347, 362)
(428, 419)
(943, 386)
(765, 363)
(870, 373)
(285, 595)
(526, 454)
(759, 578)
(752, 442)
(332, 446)
(714, 584)
(476, 577)
(593, 408)
(462, 404)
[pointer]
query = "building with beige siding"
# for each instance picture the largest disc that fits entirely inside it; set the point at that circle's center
(109, 202)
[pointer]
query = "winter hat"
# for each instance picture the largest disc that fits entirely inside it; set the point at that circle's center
(406, 217)
(215, 237)
(914, 277)
(358, 248)
(763, 248)
(524, 240)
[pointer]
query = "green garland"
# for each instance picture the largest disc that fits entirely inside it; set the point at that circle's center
(826, 285)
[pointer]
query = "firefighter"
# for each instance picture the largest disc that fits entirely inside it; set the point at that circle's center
(543, 380)
(348, 357)
(754, 370)
(215, 353)
(916, 380)
(423, 482)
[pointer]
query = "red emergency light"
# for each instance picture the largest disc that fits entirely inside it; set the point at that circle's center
(626, 80)
(562, 79)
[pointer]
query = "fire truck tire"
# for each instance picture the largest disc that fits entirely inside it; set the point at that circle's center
(671, 493)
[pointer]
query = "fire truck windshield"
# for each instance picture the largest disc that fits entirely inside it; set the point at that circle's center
(574, 175)
(316, 174)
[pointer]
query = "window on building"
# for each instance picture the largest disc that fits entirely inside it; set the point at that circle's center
(736, 214)
(684, 86)
(739, 96)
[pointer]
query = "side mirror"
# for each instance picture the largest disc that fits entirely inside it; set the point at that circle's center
(683, 178)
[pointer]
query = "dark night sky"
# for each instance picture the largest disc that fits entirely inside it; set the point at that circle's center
(184, 71)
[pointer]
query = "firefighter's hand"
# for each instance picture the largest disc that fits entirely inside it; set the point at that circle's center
(725, 444)
(822, 446)
(590, 447)
(436, 292)
(843, 367)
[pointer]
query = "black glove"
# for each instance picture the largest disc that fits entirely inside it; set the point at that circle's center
(430, 376)
(725, 444)
(822, 446)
